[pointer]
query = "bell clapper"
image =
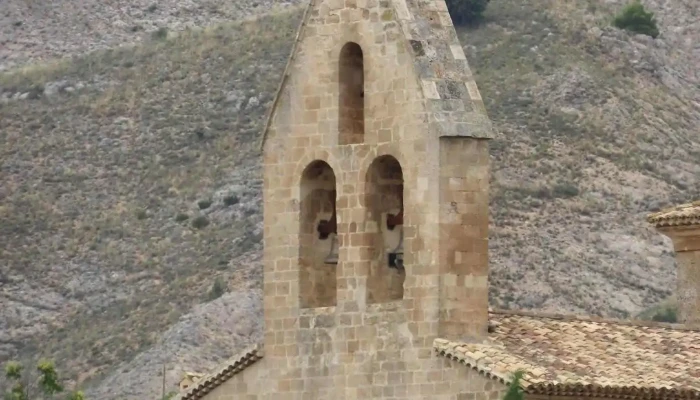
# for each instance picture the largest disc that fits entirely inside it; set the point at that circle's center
(396, 255)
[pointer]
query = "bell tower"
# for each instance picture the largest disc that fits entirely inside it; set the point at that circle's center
(375, 162)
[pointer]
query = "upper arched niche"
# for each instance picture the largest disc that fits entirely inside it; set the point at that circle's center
(351, 104)
(317, 236)
(385, 209)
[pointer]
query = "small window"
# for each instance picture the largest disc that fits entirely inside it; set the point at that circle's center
(351, 107)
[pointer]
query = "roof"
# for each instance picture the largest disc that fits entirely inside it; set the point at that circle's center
(579, 356)
(682, 215)
(229, 369)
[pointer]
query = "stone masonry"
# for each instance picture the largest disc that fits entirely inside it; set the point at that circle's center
(682, 225)
(377, 116)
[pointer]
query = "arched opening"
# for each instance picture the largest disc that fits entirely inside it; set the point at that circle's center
(351, 107)
(318, 241)
(385, 211)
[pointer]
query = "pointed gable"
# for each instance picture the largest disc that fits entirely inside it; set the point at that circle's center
(450, 100)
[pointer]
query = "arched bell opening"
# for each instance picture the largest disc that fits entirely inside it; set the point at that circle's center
(318, 241)
(351, 106)
(385, 211)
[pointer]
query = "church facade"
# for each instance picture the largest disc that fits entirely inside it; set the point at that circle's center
(376, 174)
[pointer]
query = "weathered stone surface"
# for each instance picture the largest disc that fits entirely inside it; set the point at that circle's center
(686, 244)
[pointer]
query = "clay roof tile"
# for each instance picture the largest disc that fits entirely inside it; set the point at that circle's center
(568, 356)
(684, 214)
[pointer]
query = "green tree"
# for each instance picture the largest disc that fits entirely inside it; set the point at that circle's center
(13, 373)
(76, 396)
(515, 391)
(465, 12)
(635, 18)
(47, 382)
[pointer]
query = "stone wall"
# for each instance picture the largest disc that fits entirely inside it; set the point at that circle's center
(686, 244)
(464, 223)
(689, 286)
(380, 376)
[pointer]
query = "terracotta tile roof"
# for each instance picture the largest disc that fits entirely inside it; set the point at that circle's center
(684, 214)
(573, 356)
(229, 369)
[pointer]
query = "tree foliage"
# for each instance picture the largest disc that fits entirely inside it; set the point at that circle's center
(169, 396)
(635, 18)
(515, 391)
(46, 382)
(465, 12)
(48, 378)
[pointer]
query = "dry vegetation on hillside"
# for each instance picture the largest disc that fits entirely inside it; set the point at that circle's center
(590, 140)
(131, 183)
(39, 30)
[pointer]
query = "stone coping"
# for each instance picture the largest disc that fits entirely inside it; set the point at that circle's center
(681, 215)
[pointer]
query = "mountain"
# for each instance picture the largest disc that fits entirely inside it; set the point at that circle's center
(132, 190)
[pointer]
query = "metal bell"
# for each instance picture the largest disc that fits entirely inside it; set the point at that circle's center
(332, 257)
(396, 255)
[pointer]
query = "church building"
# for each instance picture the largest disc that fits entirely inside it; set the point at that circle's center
(376, 219)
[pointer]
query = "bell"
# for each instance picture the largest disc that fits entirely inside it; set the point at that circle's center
(332, 257)
(396, 255)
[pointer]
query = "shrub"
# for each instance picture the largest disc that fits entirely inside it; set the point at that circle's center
(204, 204)
(141, 214)
(466, 11)
(231, 200)
(200, 222)
(565, 190)
(181, 217)
(635, 18)
(217, 289)
(160, 34)
(666, 315)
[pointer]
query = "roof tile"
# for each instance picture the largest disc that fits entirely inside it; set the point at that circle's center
(567, 356)
(684, 214)
(235, 365)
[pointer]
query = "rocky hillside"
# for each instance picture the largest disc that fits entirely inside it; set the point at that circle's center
(35, 30)
(596, 128)
(131, 178)
(131, 182)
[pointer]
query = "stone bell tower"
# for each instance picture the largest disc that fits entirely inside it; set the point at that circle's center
(376, 193)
